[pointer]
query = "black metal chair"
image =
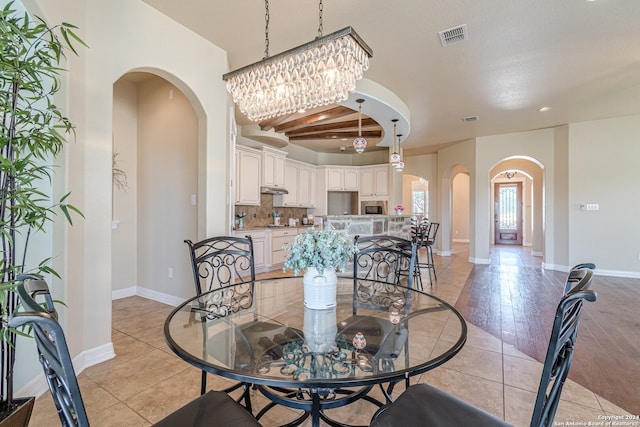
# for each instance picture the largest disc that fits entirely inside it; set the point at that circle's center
(380, 265)
(226, 263)
(211, 409)
(422, 404)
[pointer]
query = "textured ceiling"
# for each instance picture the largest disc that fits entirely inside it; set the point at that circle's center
(580, 58)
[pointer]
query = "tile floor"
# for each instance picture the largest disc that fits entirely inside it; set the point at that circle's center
(146, 381)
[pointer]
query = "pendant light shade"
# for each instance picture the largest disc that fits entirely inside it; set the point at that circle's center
(360, 143)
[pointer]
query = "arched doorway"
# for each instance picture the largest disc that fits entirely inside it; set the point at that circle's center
(155, 147)
(516, 203)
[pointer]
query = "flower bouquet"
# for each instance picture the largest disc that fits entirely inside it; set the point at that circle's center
(320, 253)
(399, 209)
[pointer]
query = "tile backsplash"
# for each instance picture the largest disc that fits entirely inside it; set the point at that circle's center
(260, 216)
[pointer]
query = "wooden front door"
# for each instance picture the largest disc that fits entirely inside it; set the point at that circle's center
(507, 213)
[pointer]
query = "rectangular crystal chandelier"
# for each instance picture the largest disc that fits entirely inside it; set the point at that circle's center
(323, 71)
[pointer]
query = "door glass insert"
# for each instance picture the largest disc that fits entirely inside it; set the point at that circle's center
(508, 214)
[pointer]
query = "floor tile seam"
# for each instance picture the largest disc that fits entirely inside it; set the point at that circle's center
(184, 371)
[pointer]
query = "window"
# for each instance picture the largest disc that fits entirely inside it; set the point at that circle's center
(419, 202)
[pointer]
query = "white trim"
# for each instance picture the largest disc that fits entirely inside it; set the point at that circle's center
(480, 260)
(597, 271)
(460, 240)
(159, 296)
(617, 273)
(537, 253)
(123, 293)
(444, 253)
(38, 385)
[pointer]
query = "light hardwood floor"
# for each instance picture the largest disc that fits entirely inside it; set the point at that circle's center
(145, 381)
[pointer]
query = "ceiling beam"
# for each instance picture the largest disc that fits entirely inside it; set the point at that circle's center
(322, 116)
(333, 126)
(336, 135)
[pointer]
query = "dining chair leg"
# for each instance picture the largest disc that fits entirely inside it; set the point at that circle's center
(203, 383)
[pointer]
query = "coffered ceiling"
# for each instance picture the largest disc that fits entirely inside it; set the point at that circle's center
(579, 58)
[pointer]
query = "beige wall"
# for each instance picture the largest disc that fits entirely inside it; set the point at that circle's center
(603, 169)
(124, 36)
(167, 177)
(460, 208)
(124, 246)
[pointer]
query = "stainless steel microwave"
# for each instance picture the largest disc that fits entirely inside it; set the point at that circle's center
(373, 210)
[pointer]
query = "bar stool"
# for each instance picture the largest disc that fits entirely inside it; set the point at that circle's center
(426, 238)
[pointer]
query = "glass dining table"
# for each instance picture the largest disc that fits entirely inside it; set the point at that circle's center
(261, 333)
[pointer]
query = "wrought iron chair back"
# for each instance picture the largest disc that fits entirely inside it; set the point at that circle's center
(422, 404)
(224, 263)
(387, 261)
(211, 409)
(221, 261)
(576, 273)
(52, 349)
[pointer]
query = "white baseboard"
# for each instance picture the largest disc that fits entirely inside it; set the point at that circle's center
(123, 293)
(171, 300)
(480, 260)
(84, 360)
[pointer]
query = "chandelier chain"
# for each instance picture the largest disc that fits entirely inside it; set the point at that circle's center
(266, 28)
(320, 29)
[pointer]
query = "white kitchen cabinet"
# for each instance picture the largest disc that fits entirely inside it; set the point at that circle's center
(300, 183)
(304, 185)
(279, 238)
(374, 182)
(273, 167)
(260, 254)
(343, 179)
(247, 183)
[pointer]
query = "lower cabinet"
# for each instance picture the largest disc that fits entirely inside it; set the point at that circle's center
(279, 238)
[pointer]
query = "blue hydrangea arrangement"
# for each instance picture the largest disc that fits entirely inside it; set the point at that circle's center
(319, 249)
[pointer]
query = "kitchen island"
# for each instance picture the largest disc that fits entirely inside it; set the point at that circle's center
(370, 225)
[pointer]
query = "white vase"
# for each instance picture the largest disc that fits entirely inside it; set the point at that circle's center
(399, 211)
(320, 289)
(320, 329)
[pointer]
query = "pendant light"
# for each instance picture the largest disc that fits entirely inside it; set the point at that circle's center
(400, 165)
(394, 158)
(359, 143)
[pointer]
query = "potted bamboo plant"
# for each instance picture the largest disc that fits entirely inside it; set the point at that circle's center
(33, 131)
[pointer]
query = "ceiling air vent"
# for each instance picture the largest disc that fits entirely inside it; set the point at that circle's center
(454, 35)
(470, 119)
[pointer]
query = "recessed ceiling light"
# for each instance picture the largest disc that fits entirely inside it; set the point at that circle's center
(543, 109)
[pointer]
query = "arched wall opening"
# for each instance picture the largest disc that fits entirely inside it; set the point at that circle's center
(530, 173)
(156, 145)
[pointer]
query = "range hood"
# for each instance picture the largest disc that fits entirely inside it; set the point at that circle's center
(273, 190)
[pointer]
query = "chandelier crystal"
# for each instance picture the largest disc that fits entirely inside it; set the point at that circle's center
(323, 71)
(360, 143)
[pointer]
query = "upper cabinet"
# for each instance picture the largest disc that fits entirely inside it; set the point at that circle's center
(301, 179)
(343, 179)
(374, 182)
(273, 167)
(247, 183)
